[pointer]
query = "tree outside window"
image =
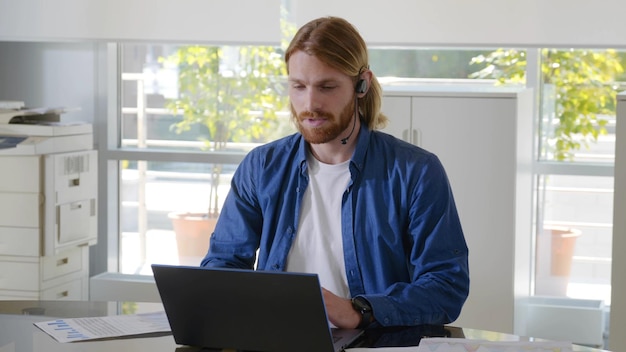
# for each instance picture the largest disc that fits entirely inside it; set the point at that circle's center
(583, 84)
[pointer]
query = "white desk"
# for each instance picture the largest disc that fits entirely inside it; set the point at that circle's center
(18, 334)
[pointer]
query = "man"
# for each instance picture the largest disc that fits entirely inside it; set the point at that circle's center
(372, 215)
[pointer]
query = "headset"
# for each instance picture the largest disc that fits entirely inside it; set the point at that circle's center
(361, 86)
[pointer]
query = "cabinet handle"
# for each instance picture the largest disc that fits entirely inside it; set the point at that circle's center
(417, 137)
(63, 294)
(405, 136)
(75, 182)
(63, 261)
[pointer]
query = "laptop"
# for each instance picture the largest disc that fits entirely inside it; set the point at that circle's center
(248, 310)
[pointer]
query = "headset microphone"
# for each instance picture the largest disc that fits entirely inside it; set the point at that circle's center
(345, 140)
(361, 87)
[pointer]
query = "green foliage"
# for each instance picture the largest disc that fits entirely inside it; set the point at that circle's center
(583, 82)
(234, 92)
(129, 308)
(235, 104)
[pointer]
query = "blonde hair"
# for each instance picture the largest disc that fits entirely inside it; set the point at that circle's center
(336, 42)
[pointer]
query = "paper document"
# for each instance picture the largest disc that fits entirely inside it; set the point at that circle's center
(81, 329)
(438, 344)
(447, 344)
(33, 115)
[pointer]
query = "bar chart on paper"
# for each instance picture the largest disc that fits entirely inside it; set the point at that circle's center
(81, 329)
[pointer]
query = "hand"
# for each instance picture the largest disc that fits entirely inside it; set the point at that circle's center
(340, 311)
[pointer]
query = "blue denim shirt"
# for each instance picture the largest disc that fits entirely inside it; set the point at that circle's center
(403, 244)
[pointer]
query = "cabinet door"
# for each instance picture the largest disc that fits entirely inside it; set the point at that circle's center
(475, 141)
(68, 291)
(20, 174)
(398, 110)
(476, 138)
(20, 209)
(71, 192)
(19, 275)
(19, 241)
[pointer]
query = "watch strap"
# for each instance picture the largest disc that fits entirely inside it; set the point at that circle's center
(364, 308)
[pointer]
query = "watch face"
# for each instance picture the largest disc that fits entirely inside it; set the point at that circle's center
(361, 305)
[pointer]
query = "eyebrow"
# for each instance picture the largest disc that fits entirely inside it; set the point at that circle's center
(318, 83)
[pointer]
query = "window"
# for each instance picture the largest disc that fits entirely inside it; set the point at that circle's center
(189, 114)
(576, 153)
(172, 161)
(574, 236)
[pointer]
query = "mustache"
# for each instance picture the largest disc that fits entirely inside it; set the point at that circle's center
(314, 114)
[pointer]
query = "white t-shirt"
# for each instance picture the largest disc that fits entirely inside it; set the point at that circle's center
(318, 246)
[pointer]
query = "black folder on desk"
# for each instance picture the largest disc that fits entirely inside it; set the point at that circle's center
(247, 310)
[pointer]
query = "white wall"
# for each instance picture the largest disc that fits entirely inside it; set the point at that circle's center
(50, 75)
(523, 23)
(560, 23)
(198, 21)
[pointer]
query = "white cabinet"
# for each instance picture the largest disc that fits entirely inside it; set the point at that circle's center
(47, 222)
(56, 277)
(483, 136)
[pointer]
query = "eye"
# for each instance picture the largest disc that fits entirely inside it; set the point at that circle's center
(328, 87)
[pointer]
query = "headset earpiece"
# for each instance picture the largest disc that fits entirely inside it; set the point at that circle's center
(361, 86)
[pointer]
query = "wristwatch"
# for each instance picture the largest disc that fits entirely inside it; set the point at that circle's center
(364, 308)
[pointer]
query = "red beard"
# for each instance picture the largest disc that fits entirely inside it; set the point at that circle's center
(332, 128)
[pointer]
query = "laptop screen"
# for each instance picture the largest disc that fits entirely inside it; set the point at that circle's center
(244, 309)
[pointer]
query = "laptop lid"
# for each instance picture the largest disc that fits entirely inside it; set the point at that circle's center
(246, 310)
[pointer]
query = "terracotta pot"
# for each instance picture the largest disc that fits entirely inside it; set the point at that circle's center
(555, 250)
(563, 242)
(193, 231)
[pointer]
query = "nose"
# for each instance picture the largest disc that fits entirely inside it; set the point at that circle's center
(313, 100)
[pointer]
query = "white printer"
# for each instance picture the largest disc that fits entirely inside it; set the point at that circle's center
(48, 196)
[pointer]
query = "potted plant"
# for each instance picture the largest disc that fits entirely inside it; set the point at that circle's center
(233, 95)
